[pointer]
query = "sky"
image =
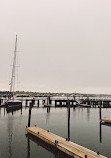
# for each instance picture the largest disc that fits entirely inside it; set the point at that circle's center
(63, 45)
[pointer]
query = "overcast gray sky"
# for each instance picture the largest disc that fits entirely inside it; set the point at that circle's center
(63, 45)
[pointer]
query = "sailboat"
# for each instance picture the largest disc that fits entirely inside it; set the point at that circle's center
(12, 103)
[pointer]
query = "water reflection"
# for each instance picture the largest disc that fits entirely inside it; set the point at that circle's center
(10, 134)
(48, 109)
(21, 111)
(88, 114)
(10, 129)
(78, 116)
(100, 132)
(28, 147)
(12, 110)
(48, 115)
(0, 112)
(57, 153)
(100, 124)
(4, 111)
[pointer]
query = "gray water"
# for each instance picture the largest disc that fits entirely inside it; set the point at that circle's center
(84, 130)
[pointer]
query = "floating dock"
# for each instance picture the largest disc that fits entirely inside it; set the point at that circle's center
(106, 120)
(62, 144)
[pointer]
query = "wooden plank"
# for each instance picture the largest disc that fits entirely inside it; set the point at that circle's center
(67, 147)
(106, 120)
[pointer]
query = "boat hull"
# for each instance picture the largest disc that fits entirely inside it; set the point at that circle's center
(13, 105)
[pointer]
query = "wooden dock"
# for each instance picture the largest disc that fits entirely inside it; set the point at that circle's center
(106, 120)
(62, 144)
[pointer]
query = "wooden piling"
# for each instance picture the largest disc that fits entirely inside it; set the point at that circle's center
(38, 103)
(68, 120)
(29, 118)
(100, 110)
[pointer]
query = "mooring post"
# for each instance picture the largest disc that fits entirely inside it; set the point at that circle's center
(68, 120)
(29, 118)
(50, 101)
(38, 104)
(100, 110)
(55, 103)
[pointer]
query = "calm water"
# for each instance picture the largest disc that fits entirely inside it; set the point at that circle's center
(84, 130)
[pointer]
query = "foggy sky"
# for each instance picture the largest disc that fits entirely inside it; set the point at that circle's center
(63, 45)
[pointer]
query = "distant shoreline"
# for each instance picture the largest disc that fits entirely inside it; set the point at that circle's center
(54, 94)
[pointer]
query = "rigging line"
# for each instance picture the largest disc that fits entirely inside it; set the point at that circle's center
(13, 69)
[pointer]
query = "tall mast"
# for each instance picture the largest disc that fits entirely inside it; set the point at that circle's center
(12, 84)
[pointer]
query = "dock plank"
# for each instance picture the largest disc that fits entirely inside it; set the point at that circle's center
(67, 147)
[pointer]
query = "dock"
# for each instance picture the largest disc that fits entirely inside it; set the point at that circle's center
(62, 144)
(106, 120)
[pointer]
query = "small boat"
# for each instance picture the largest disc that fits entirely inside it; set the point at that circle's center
(12, 103)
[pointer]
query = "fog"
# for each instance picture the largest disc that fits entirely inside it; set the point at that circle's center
(63, 45)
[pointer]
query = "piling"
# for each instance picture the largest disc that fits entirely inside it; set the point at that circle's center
(38, 103)
(49, 100)
(100, 111)
(68, 120)
(29, 119)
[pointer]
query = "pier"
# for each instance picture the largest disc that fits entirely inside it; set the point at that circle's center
(73, 101)
(58, 100)
(64, 103)
(63, 144)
